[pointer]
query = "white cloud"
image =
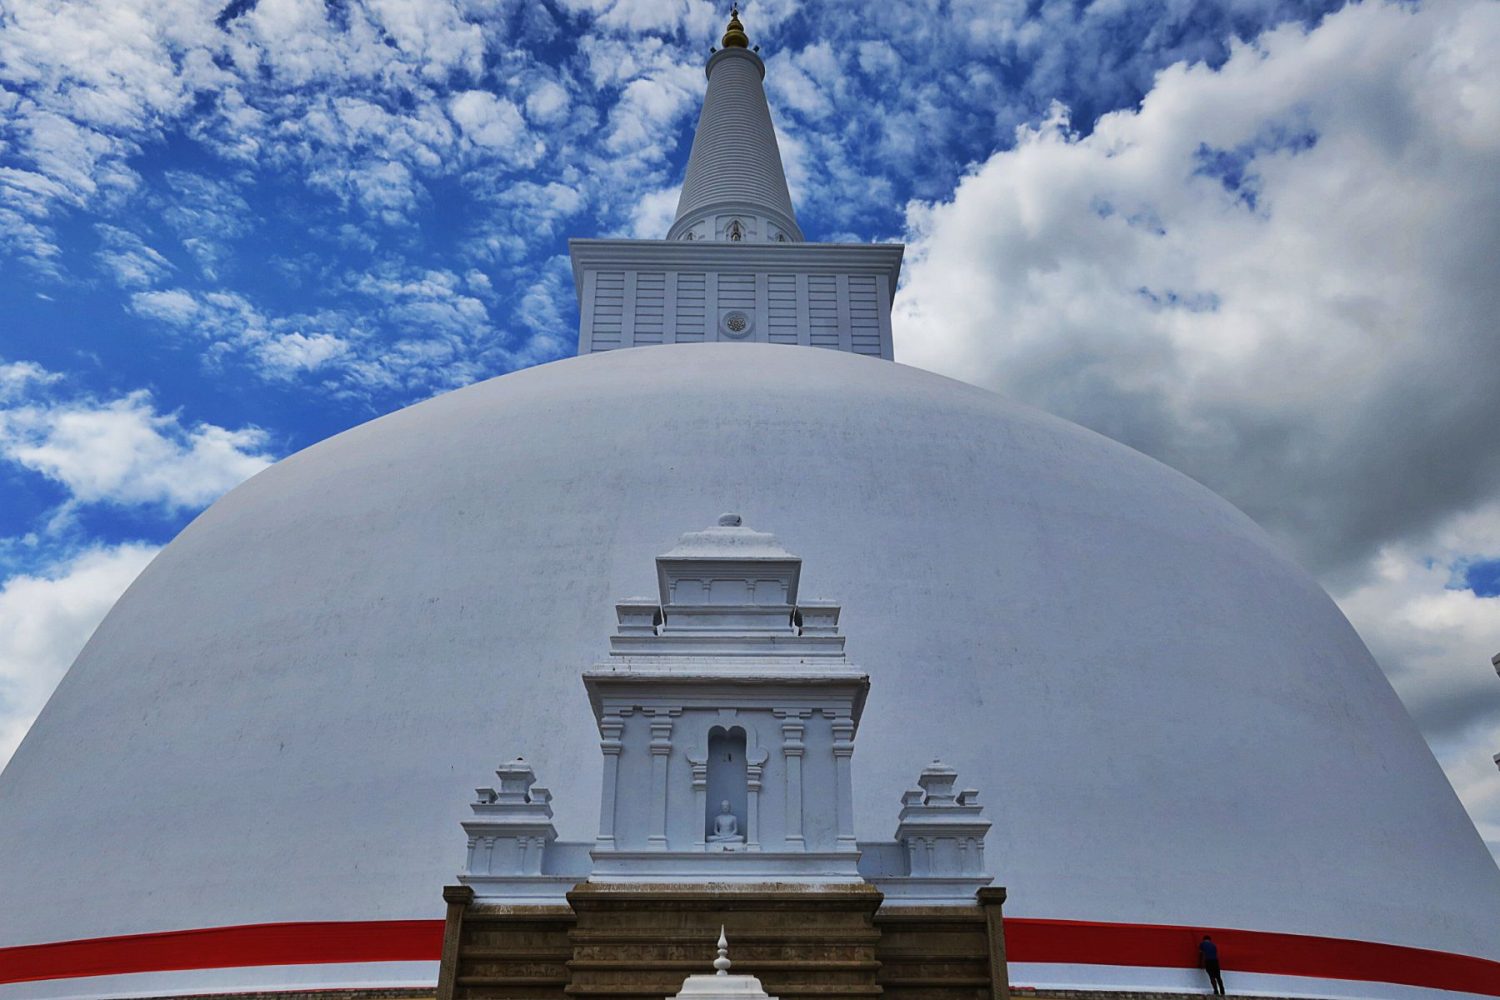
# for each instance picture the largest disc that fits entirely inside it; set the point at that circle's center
(296, 352)
(123, 451)
(129, 260)
(434, 36)
(654, 213)
(95, 81)
(18, 377)
(445, 307)
(494, 123)
(46, 617)
(171, 305)
(548, 102)
(1280, 276)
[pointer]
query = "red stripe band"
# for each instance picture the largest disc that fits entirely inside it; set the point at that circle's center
(1067, 942)
(1081, 942)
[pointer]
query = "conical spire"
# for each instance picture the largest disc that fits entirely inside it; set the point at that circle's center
(735, 189)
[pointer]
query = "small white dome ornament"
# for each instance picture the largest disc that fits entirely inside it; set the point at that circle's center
(720, 985)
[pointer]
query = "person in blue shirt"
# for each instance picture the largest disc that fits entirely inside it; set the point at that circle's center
(1208, 957)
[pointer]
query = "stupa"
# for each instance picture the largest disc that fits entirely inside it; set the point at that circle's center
(254, 777)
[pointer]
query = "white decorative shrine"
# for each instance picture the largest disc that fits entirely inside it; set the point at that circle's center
(509, 838)
(942, 837)
(727, 714)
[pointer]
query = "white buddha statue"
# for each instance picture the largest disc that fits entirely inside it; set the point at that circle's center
(726, 828)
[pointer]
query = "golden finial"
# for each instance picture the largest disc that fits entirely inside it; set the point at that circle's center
(734, 35)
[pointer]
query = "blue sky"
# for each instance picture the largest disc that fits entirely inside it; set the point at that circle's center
(1255, 239)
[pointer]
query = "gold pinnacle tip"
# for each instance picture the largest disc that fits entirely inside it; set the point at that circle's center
(734, 35)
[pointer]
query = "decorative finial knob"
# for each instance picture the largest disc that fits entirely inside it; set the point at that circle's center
(721, 964)
(730, 520)
(734, 35)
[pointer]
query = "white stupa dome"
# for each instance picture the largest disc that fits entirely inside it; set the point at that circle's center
(282, 719)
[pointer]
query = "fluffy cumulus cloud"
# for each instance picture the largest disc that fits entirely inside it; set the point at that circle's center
(492, 123)
(122, 450)
(1281, 276)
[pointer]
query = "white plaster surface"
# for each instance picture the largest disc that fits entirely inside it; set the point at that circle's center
(285, 716)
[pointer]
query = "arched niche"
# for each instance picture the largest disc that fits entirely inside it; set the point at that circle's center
(727, 780)
(745, 770)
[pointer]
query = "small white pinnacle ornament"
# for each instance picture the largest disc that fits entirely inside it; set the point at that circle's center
(721, 985)
(722, 963)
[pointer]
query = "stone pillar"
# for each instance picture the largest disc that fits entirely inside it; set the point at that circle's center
(843, 758)
(458, 898)
(698, 759)
(991, 900)
(792, 748)
(753, 773)
(611, 727)
(661, 751)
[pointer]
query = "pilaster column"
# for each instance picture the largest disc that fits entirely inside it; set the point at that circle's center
(611, 727)
(698, 759)
(753, 773)
(843, 755)
(792, 749)
(661, 752)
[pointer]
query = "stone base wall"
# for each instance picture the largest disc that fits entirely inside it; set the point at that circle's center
(934, 953)
(518, 953)
(634, 942)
